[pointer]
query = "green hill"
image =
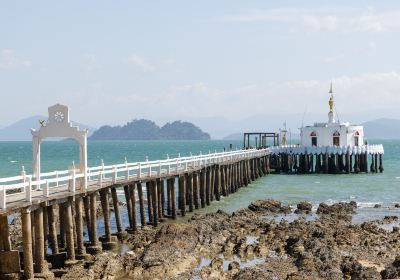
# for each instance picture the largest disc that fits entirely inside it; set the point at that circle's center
(148, 130)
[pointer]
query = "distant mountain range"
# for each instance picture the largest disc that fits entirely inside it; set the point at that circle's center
(382, 129)
(21, 130)
(148, 130)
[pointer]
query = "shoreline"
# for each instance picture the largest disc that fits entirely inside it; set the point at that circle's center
(251, 244)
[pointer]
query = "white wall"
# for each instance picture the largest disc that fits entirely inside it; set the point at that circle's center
(325, 135)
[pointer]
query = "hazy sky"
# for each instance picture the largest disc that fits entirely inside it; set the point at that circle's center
(112, 61)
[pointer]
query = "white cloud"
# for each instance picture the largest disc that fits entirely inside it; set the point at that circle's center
(9, 60)
(313, 20)
(140, 63)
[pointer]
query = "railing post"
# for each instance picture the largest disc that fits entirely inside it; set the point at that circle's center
(46, 190)
(100, 179)
(126, 170)
(23, 174)
(140, 170)
(169, 165)
(57, 178)
(72, 187)
(102, 167)
(28, 190)
(114, 178)
(159, 167)
(2, 197)
(177, 165)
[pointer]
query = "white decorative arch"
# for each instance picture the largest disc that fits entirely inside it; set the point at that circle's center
(58, 125)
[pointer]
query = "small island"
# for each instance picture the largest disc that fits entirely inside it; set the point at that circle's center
(142, 129)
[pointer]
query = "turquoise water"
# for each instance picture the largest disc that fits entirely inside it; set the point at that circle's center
(366, 189)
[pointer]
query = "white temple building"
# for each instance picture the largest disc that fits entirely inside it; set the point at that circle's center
(333, 132)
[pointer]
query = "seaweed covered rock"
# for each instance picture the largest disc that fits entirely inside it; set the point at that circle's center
(269, 206)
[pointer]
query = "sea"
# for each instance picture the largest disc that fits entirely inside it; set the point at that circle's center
(367, 190)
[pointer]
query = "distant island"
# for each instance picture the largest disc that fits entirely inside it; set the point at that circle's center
(141, 129)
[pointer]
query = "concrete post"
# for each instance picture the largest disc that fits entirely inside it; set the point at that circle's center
(4, 233)
(106, 214)
(154, 197)
(189, 187)
(69, 233)
(132, 196)
(81, 250)
(149, 201)
(160, 186)
(39, 241)
(27, 243)
(169, 207)
(52, 230)
(208, 185)
(141, 204)
(117, 213)
(173, 204)
(128, 206)
(203, 188)
(196, 189)
(182, 195)
(61, 218)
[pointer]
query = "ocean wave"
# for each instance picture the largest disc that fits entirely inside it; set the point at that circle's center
(367, 204)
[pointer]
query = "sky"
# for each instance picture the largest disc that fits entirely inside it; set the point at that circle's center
(114, 61)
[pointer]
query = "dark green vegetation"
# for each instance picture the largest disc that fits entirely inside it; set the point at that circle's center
(148, 130)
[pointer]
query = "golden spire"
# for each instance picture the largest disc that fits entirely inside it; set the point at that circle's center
(331, 100)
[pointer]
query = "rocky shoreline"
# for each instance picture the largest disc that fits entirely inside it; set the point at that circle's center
(251, 244)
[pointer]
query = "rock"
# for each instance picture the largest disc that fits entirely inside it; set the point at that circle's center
(397, 205)
(269, 206)
(337, 208)
(304, 207)
(396, 262)
(377, 206)
(234, 266)
(390, 219)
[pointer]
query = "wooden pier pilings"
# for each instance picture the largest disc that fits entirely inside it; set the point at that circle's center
(330, 160)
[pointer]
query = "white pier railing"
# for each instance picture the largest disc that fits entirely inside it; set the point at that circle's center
(24, 188)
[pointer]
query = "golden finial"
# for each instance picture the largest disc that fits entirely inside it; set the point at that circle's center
(331, 99)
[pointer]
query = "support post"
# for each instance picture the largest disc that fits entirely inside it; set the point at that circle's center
(203, 188)
(149, 201)
(173, 204)
(86, 205)
(155, 203)
(120, 232)
(128, 206)
(141, 204)
(132, 197)
(196, 189)
(40, 263)
(52, 230)
(69, 233)
(80, 247)
(27, 243)
(182, 195)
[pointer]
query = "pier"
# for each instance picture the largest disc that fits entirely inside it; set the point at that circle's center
(56, 207)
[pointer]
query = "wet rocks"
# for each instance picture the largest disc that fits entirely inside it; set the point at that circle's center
(251, 244)
(341, 208)
(303, 207)
(269, 206)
